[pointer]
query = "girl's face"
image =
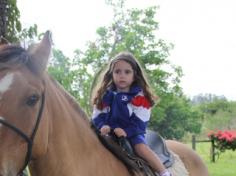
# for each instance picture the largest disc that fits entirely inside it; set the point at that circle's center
(123, 76)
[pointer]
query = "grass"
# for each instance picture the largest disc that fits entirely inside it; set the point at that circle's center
(225, 163)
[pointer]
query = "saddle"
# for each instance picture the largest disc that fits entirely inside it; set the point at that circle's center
(122, 149)
(158, 145)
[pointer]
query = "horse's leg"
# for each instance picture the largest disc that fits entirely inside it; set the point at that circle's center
(193, 163)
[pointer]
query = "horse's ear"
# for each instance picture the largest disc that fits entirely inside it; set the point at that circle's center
(40, 53)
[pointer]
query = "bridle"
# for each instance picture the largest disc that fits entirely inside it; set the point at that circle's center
(30, 139)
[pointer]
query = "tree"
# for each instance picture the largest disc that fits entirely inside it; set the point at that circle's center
(73, 75)
(218, 112)
(9, 20)
(10, 25)
(134, 30)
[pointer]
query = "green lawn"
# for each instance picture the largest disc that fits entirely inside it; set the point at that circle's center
(225, 165)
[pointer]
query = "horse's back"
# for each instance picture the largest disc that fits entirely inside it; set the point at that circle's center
(192, 161)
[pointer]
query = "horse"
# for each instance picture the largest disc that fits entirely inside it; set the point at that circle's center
(42, 126)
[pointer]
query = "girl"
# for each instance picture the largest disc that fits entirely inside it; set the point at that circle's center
(123, 104)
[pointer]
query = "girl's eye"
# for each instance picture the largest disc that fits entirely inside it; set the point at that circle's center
(32, 100)
(117, 71)
(127, 71)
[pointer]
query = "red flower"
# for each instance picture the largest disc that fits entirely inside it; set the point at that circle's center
(224, 139)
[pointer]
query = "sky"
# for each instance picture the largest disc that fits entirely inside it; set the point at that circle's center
(203, 32)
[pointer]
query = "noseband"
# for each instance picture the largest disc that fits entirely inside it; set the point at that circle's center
(30, 139)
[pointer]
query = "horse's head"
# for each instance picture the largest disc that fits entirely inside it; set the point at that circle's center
(21, 103)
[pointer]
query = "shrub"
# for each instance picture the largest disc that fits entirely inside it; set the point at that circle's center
(224, 140)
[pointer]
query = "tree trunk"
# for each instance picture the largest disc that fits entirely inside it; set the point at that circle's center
(3, 21)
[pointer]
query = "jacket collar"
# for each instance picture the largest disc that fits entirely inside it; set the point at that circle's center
(133, 90)
(110, 93)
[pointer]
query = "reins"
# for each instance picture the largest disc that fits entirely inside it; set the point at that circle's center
(30, 139)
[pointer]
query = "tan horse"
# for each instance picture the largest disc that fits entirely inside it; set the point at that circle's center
(41, 125)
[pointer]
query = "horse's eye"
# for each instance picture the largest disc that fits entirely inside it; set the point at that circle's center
(32, 100)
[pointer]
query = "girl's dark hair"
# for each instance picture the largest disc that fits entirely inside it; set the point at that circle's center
(139, 79)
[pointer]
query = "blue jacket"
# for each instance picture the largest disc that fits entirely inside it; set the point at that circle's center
(127, 110)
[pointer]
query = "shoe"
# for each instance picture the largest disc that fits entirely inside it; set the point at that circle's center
(165, 173)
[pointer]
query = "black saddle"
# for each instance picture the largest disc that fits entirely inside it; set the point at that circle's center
(122, 149)
(156, 143)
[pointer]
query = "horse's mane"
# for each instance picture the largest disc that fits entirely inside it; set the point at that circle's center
(70, 98)
(13, 55)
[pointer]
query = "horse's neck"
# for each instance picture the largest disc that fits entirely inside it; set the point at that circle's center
(73, 148)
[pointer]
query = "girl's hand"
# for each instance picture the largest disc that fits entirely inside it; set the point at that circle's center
(120, 132)
(105, 130)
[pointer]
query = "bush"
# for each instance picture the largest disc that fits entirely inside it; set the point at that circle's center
(224, 140)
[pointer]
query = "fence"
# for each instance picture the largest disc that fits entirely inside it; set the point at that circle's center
(213, 150)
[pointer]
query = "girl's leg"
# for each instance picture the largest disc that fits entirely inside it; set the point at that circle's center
(147, 154)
